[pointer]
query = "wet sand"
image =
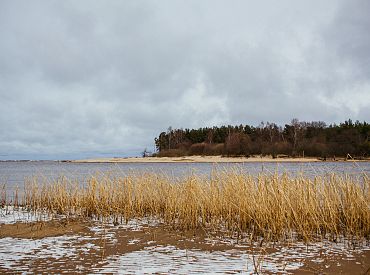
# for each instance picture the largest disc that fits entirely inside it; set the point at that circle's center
(142, 246)
(39, 230)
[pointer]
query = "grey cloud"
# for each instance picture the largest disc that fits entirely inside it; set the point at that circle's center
(79, 78)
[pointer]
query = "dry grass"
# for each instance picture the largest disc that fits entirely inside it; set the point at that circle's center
(275, 207)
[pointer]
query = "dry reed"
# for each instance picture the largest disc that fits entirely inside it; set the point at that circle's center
(275, 207)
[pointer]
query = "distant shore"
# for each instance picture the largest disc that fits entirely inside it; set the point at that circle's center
(204, 159)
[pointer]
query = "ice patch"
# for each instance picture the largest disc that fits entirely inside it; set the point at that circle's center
(133, 241)
(14, 250)
(11, 214)
(171, 260)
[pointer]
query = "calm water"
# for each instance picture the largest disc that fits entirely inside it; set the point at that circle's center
(14, 173)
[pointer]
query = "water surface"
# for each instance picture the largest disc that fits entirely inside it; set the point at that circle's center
(14, 173)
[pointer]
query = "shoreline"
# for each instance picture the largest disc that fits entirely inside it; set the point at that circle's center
(209, 159)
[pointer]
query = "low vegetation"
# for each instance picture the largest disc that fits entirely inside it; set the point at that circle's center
(275, 207)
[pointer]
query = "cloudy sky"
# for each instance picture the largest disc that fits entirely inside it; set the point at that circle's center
(103, 78)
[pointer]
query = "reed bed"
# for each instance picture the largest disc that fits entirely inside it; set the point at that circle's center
(275, 207)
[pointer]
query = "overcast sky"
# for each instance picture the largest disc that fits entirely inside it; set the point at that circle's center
(103, 78)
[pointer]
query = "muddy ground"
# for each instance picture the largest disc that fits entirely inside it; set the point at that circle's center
(82, 246)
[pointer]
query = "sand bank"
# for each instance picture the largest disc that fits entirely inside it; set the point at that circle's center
(201, 159)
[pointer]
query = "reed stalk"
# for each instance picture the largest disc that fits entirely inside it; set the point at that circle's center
(274, 207)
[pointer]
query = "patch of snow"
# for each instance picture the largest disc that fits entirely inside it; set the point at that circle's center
(15, 250)
(171, 260)
(133, 241)
(11, 214)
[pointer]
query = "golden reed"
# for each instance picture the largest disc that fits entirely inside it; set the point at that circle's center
(274, 207)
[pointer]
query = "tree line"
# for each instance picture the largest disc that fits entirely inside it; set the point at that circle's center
(299, 138)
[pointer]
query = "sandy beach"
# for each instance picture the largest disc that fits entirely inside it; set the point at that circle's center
(204, 159)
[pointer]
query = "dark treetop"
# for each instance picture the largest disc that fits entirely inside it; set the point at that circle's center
(313, 139)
